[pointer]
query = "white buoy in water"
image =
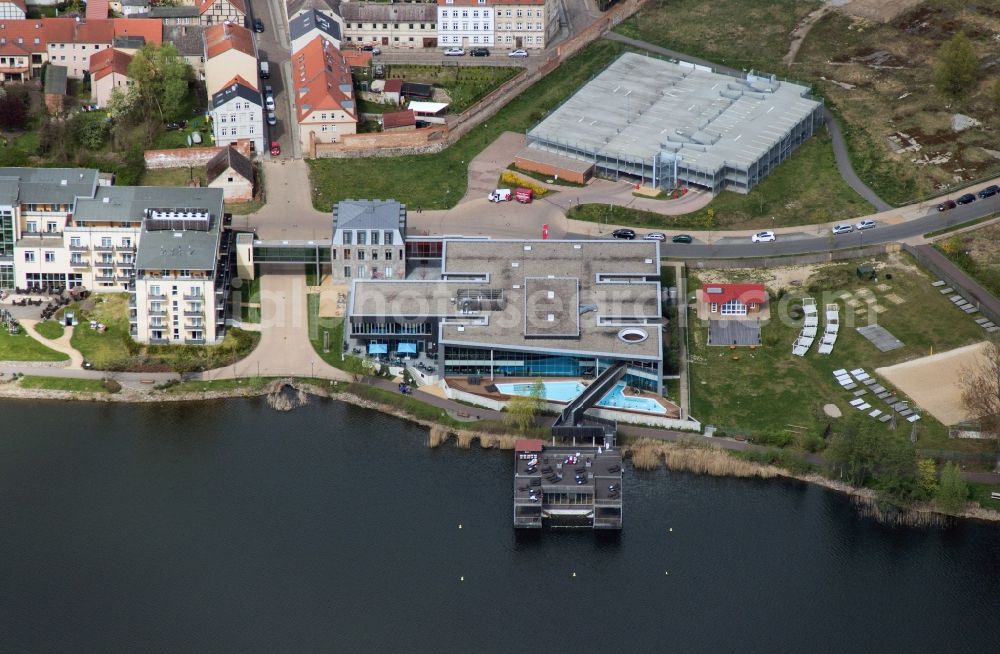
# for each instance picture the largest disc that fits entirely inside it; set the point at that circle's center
(459, 526)
(461, 578)
(574, 574)
(671, 529)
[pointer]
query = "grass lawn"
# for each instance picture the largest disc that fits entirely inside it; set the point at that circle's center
(438, 181)
(24, 348)
(768, 390)
(952, 228)
(172, 176)
(249, 293)
(369, 107)
(465, 85)
(114, 349)
(63, 384)
(17, 150)
(736, 33)
(782, 195)
(51, 329)
(318, 326)
(975, 252)
(249, 383)
(178, 138)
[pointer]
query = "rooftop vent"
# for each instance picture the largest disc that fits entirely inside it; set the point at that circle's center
(713, 290)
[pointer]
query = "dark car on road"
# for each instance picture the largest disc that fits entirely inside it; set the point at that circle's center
(968, 198)
(989, 191)
(682, 238)
(479, 52)
(258, 25)
(946, 205)
(628, 234)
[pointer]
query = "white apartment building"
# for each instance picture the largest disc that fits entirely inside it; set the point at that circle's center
(238, 114)
(183, 268)
(465, 23)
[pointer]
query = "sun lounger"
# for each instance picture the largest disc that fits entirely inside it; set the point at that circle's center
(946, 290)
(913, 418)
(870, 382)
(906, 412)
(850, 387)
(939, 282)
(982, 321)
(844, 381)
(860, 392)
(883, 395)
(970, 310)
(856, 402)
(840, 372)
(885, 417)
(810, 321)
(899, 406)
(809, 331)
(825, 348)
(875, 413)
(864, 407)
(956, 298)
(799, 350)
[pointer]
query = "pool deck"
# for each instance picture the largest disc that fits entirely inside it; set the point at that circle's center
(489, 390)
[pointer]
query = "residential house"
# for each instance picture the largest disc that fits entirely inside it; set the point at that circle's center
(70, 43)
(390, 25)
(465, 23)
(179, 15)
(183, 268)
(132, 8)
(324, 94)
(229, 52)
(525, 23)
(55, 89)
(398, 121)
(13, 9)
(295, 7)
(368, 240)
(717, 301)
(238, 114)
(392, 90)
(214, 12)
(311, 24)
(189, 41)
(108, 71)
(503, 23)
(233, 173)
(97, 9)
(22, 50)
(15, 63)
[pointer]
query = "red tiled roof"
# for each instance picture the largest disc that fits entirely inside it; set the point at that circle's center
(398, 119)
(97, 9)
(151, 29)
(528, 445)
(357, 58)
(109, 61)
(205, 5)
(242, 82)
(223, 37)
(322, 79)
(745, 293)
(393, 86)
(68, 30)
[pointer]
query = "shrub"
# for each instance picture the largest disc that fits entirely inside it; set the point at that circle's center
(772, 438)
(112, 386)
(513, 179)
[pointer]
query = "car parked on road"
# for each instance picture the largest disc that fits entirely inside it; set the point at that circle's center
(479, 52)
(989, 191)
(682, 238)
(454, 52)
(271, 118)
(269, 102)
(946, 205)
(867, 223)
(275, 148)
(374, 49)
(258, 25)
(968, 198)
(843, 229)
(655, 236)
(763, 237)
(627, 234)
(518, 53)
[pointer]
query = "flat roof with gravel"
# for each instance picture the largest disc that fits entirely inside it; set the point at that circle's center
(640, 106)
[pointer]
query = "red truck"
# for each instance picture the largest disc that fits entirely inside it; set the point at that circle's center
(523, 195)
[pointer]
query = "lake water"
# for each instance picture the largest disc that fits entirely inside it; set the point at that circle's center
(227, 527)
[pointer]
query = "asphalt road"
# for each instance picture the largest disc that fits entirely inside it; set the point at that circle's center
(787, 244)
(272, 47)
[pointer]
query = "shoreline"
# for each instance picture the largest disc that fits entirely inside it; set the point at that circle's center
(667, 454)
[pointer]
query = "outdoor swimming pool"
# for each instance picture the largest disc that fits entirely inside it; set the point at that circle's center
(566, 391)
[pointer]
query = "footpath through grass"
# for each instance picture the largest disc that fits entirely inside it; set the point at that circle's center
(806, 189)
(438, 181)
(21, 347)
(766, 390)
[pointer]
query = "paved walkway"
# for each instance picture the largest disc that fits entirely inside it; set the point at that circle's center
(839, 147)
(61, 344)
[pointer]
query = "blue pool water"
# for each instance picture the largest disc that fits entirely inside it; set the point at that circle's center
(566, 391)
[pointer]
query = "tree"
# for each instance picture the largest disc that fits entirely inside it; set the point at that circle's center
(927, 478)
(89, 131)
(14, 109)
(981, 389)
(161, 81)
(952, 491)
(957, 67)
(897, 470)
(855, 453)
(522, 409)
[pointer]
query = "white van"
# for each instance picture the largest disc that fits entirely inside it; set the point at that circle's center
(500, 195)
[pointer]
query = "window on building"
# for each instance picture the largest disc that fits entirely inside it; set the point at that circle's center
(347, 254)
(105, 241)
(126, 242)
(76, 258)
(51, 226)
(50, 256)
(362, 238)
(74, 241)
(154, 289)
(29, 256)
(347, 271)
(32, 226)
(375, 237)
(347, 237)
(361, 271)
(361, 255)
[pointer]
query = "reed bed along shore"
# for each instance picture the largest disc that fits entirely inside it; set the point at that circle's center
(439, 435)
(647, 454)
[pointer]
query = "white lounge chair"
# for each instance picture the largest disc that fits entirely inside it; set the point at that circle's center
(825, 349)
(856, 402)
(809, 331)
